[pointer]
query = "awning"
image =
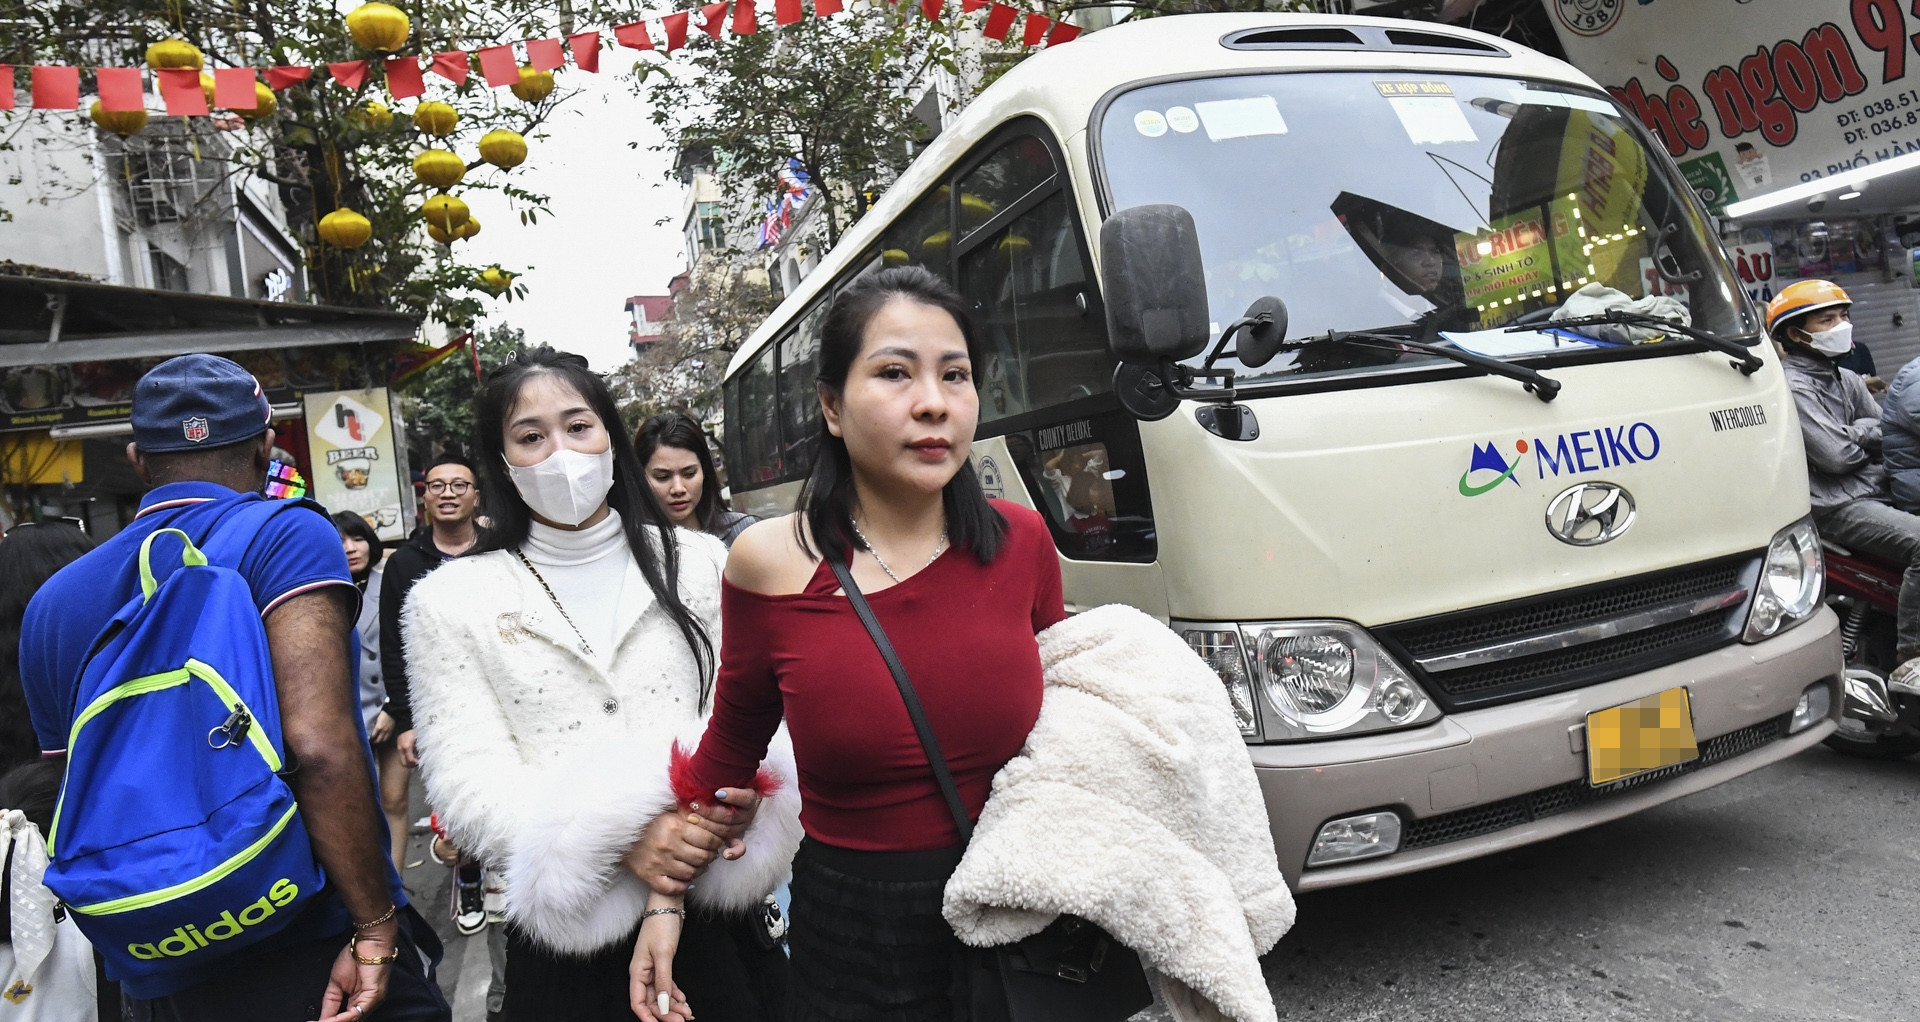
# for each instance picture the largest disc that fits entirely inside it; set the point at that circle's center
(60, 322)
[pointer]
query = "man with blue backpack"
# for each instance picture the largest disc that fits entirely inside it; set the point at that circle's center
(217, 835)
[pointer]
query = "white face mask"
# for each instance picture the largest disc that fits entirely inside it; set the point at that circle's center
(568, 487)
(1835, 342)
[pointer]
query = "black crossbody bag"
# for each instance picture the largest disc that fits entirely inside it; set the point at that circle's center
(1072, 971)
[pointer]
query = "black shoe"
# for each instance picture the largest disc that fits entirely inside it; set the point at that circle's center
(469, 899)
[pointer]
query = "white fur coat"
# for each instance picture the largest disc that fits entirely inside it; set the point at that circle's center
(547, 767)
(1134, 805)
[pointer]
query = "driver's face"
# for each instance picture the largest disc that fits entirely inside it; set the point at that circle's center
(1420, 259)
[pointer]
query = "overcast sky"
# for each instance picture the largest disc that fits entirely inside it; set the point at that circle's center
(600, 244)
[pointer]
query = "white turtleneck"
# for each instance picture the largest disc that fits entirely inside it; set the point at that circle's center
(587, 570)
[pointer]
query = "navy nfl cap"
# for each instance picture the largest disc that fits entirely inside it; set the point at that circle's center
(197, 401)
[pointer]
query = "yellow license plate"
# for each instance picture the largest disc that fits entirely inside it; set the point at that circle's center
(1643, 735)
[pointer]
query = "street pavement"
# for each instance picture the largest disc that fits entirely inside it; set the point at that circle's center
(1792, 893)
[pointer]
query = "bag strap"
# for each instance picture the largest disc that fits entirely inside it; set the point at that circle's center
(928, 742)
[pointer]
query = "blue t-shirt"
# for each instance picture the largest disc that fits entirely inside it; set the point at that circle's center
(294, 553)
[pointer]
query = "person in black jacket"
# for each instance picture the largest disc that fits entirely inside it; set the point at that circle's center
(453, 497)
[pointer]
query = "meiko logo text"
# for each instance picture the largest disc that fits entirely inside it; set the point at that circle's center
(1587, 450)
(187, 939)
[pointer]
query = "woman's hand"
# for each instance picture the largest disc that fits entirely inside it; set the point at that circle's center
(674, 849)
(651, 991)
(381, 730)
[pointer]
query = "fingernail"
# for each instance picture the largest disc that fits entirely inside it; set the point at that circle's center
(721, 794)
(693, 819)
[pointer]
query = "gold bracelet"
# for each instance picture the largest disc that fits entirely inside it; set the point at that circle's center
(384, 916)
(353, 948)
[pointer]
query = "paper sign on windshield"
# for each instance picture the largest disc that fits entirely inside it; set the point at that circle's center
(1241, 118)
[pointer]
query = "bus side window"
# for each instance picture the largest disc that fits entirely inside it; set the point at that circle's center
(758, 423)
(920, 237)
(799, 400)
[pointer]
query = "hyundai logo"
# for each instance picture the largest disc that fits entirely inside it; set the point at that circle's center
(1589, 514)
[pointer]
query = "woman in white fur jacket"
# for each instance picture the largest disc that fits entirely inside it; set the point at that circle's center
(552, 674)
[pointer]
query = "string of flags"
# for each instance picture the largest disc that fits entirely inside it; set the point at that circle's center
(186, 91)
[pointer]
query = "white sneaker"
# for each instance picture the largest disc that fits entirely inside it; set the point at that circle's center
(469, 900)
(1905, 678)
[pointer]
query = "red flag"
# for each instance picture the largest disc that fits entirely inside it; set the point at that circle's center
(744, 21)
(349, 74)
(827, 8)
(56, 88)
(931, 8)
(969, 6)
(1036, 29)
(6, 86)
(999, 22)
(716, 17)
(586, 50)
(403, 78)
(545, 54)
(452, 65)
(286, 75)
(1062, 33)
(119, 88)
(786, 12)
(180, 89)
(676, 26)
(233, 88)
(634, 36)
(496, 62)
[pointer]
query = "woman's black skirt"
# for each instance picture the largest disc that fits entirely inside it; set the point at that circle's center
(726, 966)
(869, 942)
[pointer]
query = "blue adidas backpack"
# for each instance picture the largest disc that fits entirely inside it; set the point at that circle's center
(175, 841)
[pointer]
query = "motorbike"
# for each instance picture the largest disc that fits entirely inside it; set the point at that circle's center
(1879, 720)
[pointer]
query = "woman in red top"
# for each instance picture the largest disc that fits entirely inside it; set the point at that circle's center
(961, 585)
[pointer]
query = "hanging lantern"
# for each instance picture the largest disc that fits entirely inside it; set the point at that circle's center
(495, 280)
(504, 149)
(533, 86)
(343, 228)
(975, 210)
(443, 237)
(446, 211)
(934, 248)
(206, 86)
(120, 122)
(470, 228)
(895, 257)
(174, 53)
(371, 116)
(1014, 246)
(378, 26)
(439, 168)
(264, 103)
(436, 119)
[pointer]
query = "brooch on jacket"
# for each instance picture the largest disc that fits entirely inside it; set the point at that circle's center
(511, 631)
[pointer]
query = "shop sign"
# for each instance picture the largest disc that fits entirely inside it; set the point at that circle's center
(350, 436)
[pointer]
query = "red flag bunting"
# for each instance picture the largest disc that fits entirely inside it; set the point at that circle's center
(180, 90)
(786, 12)
(6, 86)
(999, 22)
(1062, 33)
(120, 88)
(233, 88)
(969, 6)
(545, 54)
(452, 65)
(349, 74)
(827, 8)
(1036, 29)
(633, 36)
(286, 75)
(931, 8)
(497, 64)
(56, 88)
(716, 17)
(744, 20)
(403, 78)
(586, 50)
(676, 27)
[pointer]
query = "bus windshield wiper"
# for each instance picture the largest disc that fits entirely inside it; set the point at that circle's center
(1543, 387)
(1744, 360)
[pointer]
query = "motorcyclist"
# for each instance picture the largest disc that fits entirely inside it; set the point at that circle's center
(1840, 422)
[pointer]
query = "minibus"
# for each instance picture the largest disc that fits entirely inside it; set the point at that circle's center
(1397, 369)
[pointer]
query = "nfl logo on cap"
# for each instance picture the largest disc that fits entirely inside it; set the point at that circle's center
(195, 429)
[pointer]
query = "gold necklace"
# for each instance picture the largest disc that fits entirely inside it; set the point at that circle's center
(938, 546)
(537, 577)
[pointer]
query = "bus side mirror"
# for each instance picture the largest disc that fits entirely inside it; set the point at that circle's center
(1155, 285)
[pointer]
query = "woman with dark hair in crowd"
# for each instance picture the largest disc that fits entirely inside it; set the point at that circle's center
(680, 473)
(550, 675)
(961, 583)
(362, 546)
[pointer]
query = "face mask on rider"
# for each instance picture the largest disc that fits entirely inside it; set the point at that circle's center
(1833, 343)
(568, 487)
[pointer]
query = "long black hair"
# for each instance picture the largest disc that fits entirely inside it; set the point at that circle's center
(30, 553)
(672, 429)
(827, 498)
(656, 553)
(352, 526)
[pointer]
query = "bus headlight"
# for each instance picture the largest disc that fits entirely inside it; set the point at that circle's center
(1293, 680)
(1791, 582)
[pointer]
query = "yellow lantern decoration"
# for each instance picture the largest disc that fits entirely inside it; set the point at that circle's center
(1014, 245)
(934, 248)
(343, 228)
(495, 279)
(448, 212)
(470, 228)
(120, 122)
(206, 86)
(436, 119)
(504, 149)
(371, 116)
(174, 53)
(444, 238)
(896, 257)
(439, 168)
(264, 103)
(378, 26)
(974, 209)
(533, 86)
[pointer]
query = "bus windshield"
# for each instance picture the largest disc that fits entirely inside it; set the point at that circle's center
(1430, 207)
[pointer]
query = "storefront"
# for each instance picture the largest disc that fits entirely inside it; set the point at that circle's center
(71, 352)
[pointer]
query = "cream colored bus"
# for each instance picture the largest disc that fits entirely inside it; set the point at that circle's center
(1398, 369)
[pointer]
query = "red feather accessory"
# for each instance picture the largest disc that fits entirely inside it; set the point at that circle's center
(688, 789)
